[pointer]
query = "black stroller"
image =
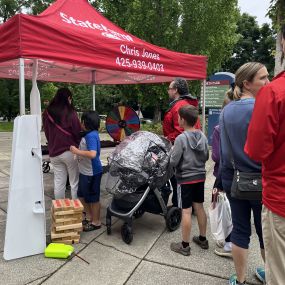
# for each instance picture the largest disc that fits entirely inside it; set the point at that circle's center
(138, 179)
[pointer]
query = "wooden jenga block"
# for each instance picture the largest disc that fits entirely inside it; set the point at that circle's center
(55, 235)
(68, 241)
(68, 223)
(62, 222)
(77, 205)
(63, 213)
(67, 218)
(74, 236)
(69, 227)
(66, 230)
(67, 205)
(57, 205)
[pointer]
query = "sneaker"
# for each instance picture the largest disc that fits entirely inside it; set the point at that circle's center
(260, 274)
(233, 280)
(203, 244)
(223, 253)
(85, 222)
(220, 243)
(177, 247)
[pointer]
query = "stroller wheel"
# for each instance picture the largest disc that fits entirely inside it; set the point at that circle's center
(126, 233)
(173, 218)
(108, 222)
(46, 167)
(139, 213)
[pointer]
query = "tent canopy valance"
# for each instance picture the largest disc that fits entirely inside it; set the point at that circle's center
(73, 42)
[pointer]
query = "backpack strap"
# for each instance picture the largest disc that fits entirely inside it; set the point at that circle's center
(58, 126)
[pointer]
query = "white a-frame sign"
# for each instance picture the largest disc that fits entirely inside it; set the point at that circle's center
(25, 228)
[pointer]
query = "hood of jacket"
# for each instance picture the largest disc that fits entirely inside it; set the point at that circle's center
(195, 140)
(183, 97)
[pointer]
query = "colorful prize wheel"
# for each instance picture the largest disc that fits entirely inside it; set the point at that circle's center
(121, 122)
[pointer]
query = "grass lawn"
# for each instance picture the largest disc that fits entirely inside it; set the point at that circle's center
(6, 126)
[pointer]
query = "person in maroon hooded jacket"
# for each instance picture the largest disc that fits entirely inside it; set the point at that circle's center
(179, 96)
(62, 129)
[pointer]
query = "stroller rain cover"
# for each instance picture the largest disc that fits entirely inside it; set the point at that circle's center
(142, 158)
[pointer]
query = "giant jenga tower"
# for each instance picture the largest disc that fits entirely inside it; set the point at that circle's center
(66, 221)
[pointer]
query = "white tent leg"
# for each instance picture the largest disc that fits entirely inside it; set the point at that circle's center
(22, 85)
(93, 88)
(204, 107)
(94, 96)
(35, 98)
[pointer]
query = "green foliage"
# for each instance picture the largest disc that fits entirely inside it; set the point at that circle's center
(255, 44)
(6, 126)
(9, 97)
(277, 13)
(9, 8)
(154, 128)
(208, 27)
(47, 91)
(265, 50)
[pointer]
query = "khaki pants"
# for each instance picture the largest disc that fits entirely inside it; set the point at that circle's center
(273, 227)
(62, 165)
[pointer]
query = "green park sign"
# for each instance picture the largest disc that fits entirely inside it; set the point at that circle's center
(215, 93)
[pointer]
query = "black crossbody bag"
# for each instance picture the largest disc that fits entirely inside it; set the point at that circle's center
(245, 185)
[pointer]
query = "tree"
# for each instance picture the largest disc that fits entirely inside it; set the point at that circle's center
(265, 49)
(208, 28)
(277, 15)
(244, 50)
(254, 44)
(9, 8)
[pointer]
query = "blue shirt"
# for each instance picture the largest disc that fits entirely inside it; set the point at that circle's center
(86, 165)
(234, 121)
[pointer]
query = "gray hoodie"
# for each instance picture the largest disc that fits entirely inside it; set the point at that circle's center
(189, 156)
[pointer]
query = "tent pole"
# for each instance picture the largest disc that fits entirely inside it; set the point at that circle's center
(22, 85)
(204, 107)
(94, 95)
(93, 89)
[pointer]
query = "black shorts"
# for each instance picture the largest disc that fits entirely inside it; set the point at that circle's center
(89, 188)
(190, 193)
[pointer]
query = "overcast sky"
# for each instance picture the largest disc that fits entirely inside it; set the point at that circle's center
(256, 8)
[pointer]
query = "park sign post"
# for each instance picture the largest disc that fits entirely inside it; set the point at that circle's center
(215, 93)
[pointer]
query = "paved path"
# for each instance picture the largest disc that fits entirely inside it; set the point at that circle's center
(148, 260)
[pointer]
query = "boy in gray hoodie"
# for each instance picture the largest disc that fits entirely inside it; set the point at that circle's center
(188, 157)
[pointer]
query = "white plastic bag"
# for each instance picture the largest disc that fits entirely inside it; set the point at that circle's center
(220, 216)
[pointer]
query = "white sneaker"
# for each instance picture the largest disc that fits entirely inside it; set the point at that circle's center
(220, 243)
(223, 253)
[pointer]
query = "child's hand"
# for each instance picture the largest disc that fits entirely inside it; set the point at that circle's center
(74, 149)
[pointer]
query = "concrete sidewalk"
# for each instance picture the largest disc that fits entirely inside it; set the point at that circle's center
(148, 260)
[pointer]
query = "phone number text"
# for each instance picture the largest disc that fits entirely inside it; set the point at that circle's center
(139, 64)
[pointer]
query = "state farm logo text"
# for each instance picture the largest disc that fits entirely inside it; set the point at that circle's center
(106, 32)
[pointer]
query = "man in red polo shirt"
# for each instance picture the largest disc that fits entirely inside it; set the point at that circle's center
(266, 143)
(179, 96)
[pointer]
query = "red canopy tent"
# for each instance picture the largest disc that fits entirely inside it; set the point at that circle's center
(74, 43)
